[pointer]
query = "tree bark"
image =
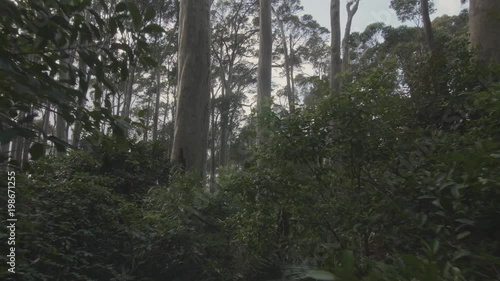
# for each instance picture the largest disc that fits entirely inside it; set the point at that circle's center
(61, 124)
(212, 146)
(352, 8)
(192, 118)
(46, 124)
(429, 37)
(19, 144)
(335, 62)
(484, 24)
(146, 122)
(157, 104)
(77, 131)
(26, 143)
(128, 92)
(264, 75)
(284, 40)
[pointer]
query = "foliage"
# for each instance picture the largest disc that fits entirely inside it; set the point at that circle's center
(40, 39)
(394, 178)
(410, 196)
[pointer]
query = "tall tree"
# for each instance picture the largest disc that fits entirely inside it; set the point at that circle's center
(352, 8)
(418, 11)
(61, 124)
(335, 62)
(296, 33)
(429, 37)
(265, 64)
(233, 39)
(192, 117)
(484, 24)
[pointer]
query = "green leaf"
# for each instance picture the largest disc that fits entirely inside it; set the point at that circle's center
(8, 135)
(435, 246)
(150, 13)
(320, 275)
(135, 13)
(466, 221)
(463, 235)
(58, 143)
(460, 254)
(37, 151)
(120, 7)
(153, 28)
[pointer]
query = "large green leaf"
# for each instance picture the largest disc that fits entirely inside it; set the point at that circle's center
(135, 14)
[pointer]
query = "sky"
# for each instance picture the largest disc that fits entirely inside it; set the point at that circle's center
(371, 11)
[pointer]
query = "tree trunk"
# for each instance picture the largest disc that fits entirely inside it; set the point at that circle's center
(146, 122)
(335, 62)
(118, 103)
(192, 117)
(46, 125)
(224, 112)
(13, 149)
(429, 37)
(128, 92)
(292, 80)
(157, 104)
(212, 146)
(352, 8)
(484, 24)
(77, 132)
(264, 70)
(26, 143)
(18, 152)
(61, 124)
(288, 91)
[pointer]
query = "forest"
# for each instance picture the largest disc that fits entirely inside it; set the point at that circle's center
(241, 140)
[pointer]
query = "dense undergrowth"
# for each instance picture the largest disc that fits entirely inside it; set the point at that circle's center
(367, 185)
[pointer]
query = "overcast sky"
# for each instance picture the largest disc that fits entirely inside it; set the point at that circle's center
(371, 11)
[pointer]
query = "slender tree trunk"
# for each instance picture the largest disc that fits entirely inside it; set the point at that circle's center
(224, 121)
(192, 119)
(46, 124)
(77, 132)
(429, 37)
(165, 115)
(61, 124)
(484, 24)
(13, 149)
(289, 95)
(118, 103)
(26, 143)
(173, 111)
(335, 62)
(264, 71)
(146, 122)
(6, 145)
(128, 92)
(18, 156)
(157, 104)
(292, 79)
(212, 145)
(352, 8)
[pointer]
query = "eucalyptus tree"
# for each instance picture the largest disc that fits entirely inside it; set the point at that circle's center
(335, 46)
(418, 11)
(41, 43)
(484, 24)
(189, 150)
(294, 32)
(264, 76)
(233, 40)
(352, 8)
